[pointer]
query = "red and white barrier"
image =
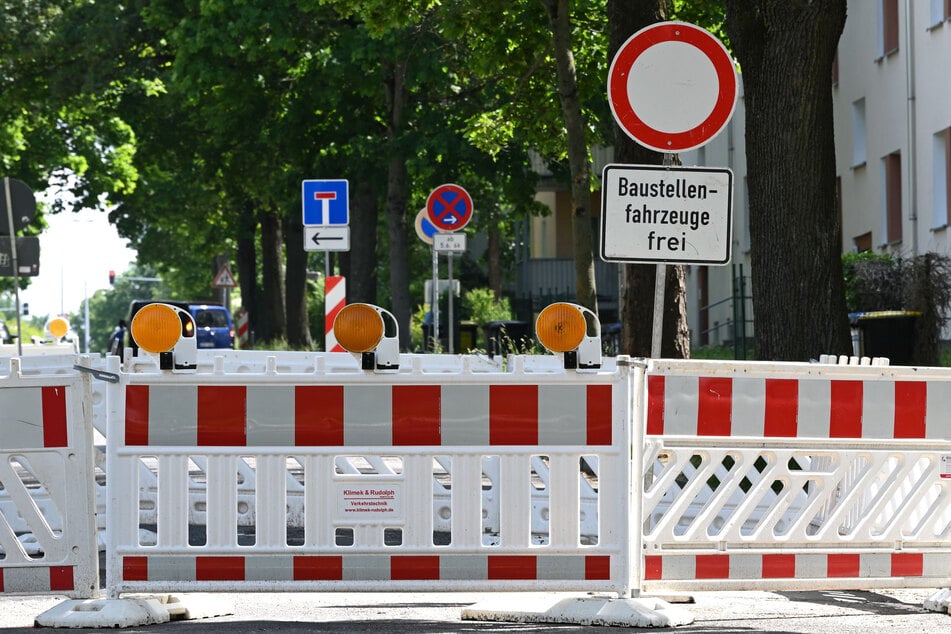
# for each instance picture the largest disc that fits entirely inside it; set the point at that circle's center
(795, 476)
(335, 298)
(47, 522)
(367, 527)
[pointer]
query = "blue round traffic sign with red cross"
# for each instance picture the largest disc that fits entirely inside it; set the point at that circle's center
(449, 207)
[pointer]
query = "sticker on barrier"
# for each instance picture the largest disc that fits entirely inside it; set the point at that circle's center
(47, 507)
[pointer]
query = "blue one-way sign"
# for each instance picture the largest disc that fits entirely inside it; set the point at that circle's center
(326, 202)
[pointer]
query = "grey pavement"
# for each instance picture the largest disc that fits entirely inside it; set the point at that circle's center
(811, 612)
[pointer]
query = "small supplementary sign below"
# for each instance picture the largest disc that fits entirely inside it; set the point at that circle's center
(369, 502)
(332, 238)
(657, 214)
(449, 242)
(946, 466)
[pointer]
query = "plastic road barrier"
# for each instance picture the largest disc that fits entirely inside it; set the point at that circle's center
(47, 519)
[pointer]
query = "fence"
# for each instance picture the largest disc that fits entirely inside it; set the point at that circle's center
(375, 455)
(47, 514)
(796, 476)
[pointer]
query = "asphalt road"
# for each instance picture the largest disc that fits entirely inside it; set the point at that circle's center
(839, 612)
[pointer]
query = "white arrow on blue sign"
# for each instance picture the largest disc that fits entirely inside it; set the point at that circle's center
(326, 202)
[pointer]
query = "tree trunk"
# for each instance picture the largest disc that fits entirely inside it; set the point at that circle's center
(248, 266)
(360, 265)
(274, 323)
(785, 49)
(298, 324)
(581, 223)
(397, 193)
(637, 288)
(494, 257)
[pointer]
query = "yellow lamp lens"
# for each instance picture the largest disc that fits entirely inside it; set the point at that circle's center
(358, 327)
(58, 327)
(156, 328)
(560, 327)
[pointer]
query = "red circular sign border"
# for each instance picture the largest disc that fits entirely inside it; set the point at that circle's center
(458, 189)
(712, 49)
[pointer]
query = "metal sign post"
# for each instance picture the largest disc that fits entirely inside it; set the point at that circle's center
(13, 255)
(434, 300)
(449, 299)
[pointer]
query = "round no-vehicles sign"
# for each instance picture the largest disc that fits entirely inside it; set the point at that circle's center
(659, 214)
(672, 86)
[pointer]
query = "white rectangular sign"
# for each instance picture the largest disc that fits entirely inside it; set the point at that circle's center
(449, 242)
(362, 501)
(659, 214)
(333, 238)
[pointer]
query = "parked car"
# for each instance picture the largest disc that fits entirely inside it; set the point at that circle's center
(213, 325)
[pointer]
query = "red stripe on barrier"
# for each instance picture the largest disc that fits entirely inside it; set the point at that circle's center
(54, 416)
(907, 564)
(714, 407)
(217, 568)
(318, 415)
(513, 415)
(135, 568)
(911, 407)
(61, 579)
(782, 408)
(655, 405)
(845, 411)
(137, 415)
(712, 567)
(512, 567)
(653, 567)
(779, 566)
(843, 565)
(222, 415)
(597, 568)
(414, 567)
(318, 568)
(416, 415)
(599, 409)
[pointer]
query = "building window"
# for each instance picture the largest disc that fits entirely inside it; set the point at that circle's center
(858, 133)
(940, 11)
(863, 242)
(891, 197)
(941, 176)
(887, 27)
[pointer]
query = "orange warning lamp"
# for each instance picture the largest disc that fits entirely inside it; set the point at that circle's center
(167, 331)
(563, 327)
(361, 329)
(358, 327)
(57, 327)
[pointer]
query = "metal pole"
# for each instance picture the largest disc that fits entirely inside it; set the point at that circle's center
(434, 305)
(449, 328)
(86, 318)
(660, 288)
(13, 258)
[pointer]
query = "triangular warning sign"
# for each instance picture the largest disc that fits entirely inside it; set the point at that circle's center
(224, 278)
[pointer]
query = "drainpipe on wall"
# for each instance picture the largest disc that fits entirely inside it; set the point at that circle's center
(911, 127)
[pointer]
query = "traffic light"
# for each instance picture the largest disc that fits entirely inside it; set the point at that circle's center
(112, 278)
